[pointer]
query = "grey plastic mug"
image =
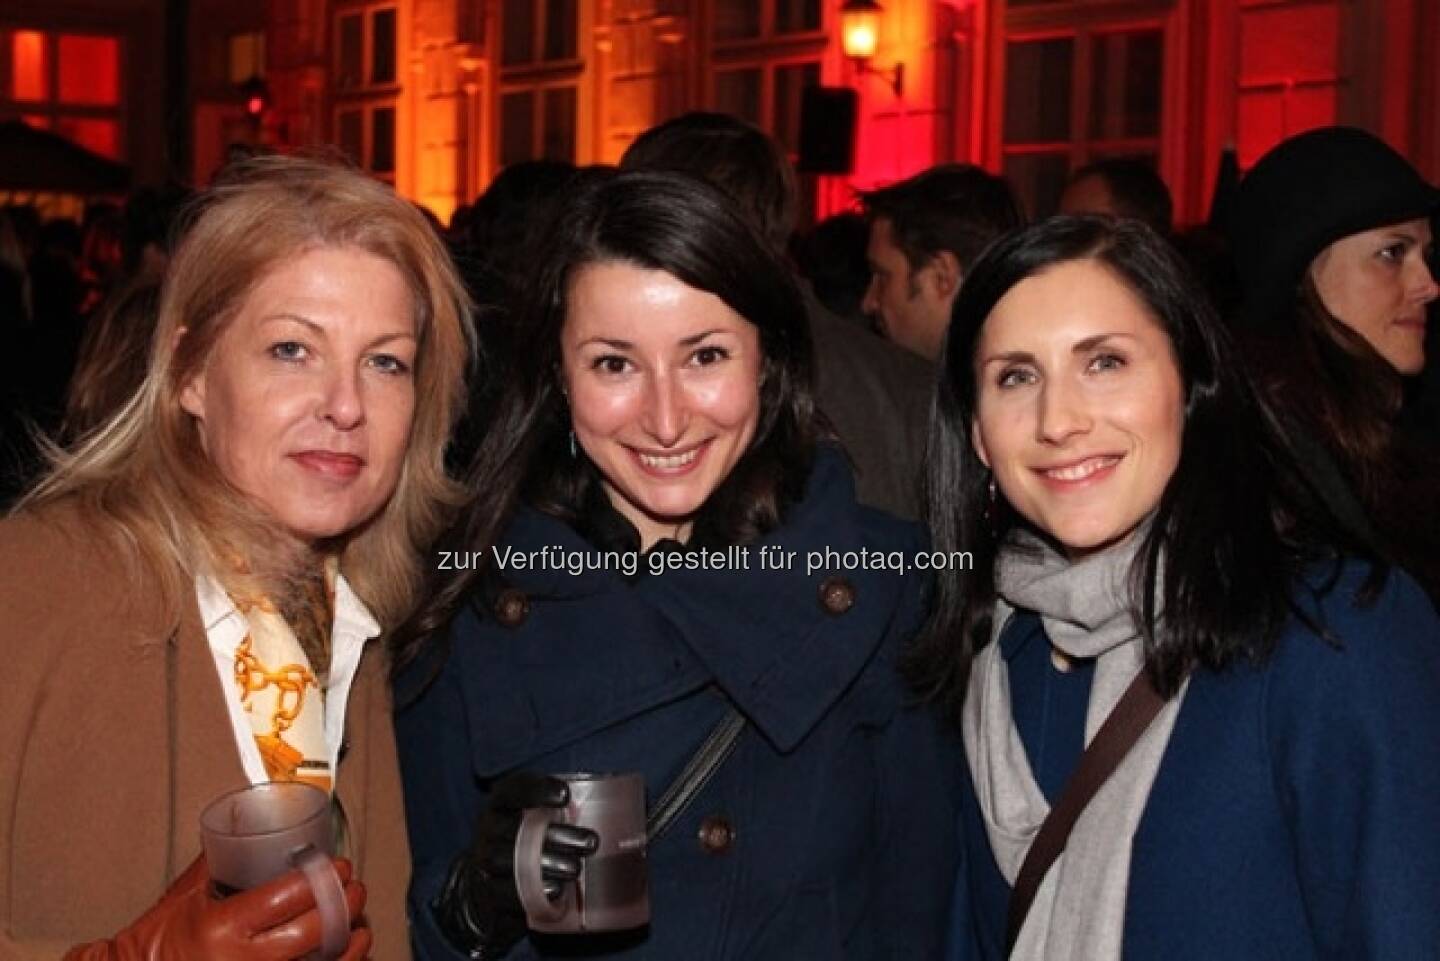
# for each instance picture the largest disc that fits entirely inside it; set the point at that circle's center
(612, 892)
(258, 833)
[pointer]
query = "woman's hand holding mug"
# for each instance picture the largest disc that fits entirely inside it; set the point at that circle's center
(276, 921)
(479, 908)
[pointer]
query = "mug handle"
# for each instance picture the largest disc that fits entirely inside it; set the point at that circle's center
(329, 894)
(529, 842)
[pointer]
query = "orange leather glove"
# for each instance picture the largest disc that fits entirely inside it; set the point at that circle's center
(274, 922)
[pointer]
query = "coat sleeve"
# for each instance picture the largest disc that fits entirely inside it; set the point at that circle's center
(919, 818)
(34, 564)
(1356, 757)
(442, 795)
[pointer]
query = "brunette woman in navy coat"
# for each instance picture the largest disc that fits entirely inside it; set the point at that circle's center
(657, 412)
(1131, 508)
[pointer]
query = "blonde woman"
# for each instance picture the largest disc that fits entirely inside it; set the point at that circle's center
(189, 600)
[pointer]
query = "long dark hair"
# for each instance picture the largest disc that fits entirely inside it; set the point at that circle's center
(1327, 380)
(1327, 375)
(1236, 520)
(662, 221)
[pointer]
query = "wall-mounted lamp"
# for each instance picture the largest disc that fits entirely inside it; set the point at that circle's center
(860, 35)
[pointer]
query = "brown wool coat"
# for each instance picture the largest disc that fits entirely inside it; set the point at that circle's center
(114, 735)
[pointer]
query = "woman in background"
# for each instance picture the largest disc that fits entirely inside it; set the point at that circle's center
(1332, 236)
(1141, 533)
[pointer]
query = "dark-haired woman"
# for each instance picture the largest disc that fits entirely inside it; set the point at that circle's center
(658, 407)
(1333, 241)
(1139, 539)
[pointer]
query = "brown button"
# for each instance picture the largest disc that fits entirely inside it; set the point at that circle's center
(512, 607)
(717, 834)
(837, 595)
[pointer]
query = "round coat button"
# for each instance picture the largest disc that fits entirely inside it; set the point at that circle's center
(512, 607)
(717, 834)
(837, 595)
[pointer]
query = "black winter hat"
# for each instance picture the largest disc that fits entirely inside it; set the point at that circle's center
(1308, 192)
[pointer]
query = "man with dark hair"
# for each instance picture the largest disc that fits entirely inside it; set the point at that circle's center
(925, 233)
(1121, 187)
(875, 396)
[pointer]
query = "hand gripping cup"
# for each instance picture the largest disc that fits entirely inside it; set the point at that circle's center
(258, 833)
(612, 892)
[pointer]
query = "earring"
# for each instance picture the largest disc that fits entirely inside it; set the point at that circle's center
(572, 445)
(991, 510)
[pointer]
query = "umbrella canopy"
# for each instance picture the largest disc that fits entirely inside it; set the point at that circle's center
(32, 159)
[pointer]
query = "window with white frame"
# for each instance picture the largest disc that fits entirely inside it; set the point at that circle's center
(763, 54)
(750, 20)
(246, 56)
(1072, 96)
(540, 76)
(538, 123)
(68, 83)
(366, 83)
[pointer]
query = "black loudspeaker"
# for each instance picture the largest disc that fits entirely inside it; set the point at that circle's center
(827, 130)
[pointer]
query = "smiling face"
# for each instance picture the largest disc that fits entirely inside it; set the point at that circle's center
(306, 401)
(1079, 405)
(663, 382)
(1377, 283)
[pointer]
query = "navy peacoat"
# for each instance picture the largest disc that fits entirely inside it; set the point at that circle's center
(830, 833)
(1293, 817)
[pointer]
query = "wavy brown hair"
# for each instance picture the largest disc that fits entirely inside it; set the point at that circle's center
(144, 471)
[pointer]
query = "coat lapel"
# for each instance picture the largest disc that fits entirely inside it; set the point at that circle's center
(204, 761)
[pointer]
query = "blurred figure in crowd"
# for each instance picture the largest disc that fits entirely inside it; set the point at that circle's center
(832, 258)
(925, 233)
(1120, 187)
(114, 356)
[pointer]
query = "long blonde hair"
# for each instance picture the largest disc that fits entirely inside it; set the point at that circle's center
(144, 472)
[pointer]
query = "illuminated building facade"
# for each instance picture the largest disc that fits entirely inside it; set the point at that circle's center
(437, 95)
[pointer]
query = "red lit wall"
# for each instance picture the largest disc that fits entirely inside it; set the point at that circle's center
(1290, 74)
(29, 76)
(89, 70)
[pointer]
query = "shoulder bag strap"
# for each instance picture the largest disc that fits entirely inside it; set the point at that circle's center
(697, 773)
(1128, 720)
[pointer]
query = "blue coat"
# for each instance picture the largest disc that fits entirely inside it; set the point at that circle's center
(841, 797)
(1296, 812)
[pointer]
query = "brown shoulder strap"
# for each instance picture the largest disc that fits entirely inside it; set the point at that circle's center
(1128, 720)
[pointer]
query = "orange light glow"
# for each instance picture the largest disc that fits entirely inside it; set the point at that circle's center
(860, 31)
(89, 70)
(29, 78)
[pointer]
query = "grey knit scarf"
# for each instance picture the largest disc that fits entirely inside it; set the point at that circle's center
(1079, 912)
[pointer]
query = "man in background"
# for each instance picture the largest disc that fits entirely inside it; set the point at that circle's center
(1120, 187)
(925, 233)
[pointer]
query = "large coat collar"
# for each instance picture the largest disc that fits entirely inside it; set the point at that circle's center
(763, 635)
